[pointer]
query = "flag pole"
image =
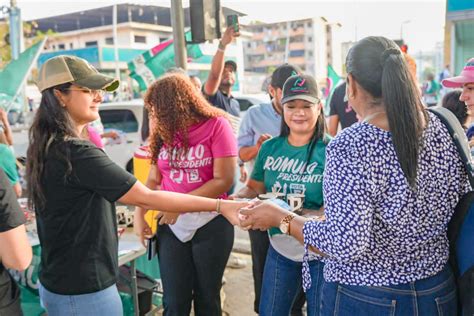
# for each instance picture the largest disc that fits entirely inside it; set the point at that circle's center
(33, 62)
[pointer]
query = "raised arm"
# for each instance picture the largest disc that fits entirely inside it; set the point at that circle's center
(217, 66)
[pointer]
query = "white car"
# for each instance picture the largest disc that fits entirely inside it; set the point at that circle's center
(125, 117)
(246, 101)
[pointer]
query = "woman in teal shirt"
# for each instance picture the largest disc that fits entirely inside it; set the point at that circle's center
(292, 165)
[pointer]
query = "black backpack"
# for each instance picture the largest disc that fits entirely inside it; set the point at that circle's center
(461, 226)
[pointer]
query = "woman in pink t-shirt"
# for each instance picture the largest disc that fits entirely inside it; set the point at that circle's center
(193, 151)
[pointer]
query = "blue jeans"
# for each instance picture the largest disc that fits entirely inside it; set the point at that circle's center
(434, 295)
(282, 282)
(101, 303)
(259, 244)
(192, 271)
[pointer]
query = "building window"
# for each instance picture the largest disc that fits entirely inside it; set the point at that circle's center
(310, 39)
(140, 39)
(109, 40)
(310, 53)
(297, 39)
(61, 47)
(71, 45)
(91, 43)
(297, 53)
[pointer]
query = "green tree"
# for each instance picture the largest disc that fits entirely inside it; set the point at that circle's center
(30, 34)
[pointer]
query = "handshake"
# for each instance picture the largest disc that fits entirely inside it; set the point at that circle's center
(255, 214)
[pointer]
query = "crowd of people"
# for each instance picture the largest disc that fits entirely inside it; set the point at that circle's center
(349, 222)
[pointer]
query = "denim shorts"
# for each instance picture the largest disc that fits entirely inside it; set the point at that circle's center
(435, 295)
(101, 303)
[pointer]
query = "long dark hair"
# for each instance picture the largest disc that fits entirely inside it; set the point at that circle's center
(51, 124)
(318, 134)
(378, 65)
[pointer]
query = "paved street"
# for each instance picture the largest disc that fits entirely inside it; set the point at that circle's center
(239, 294)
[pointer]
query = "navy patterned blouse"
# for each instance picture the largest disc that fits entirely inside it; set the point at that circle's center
(378, 231)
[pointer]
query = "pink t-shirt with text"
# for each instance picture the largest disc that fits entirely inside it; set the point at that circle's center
(207, 140)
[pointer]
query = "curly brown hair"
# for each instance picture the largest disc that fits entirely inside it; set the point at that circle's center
(174, 104)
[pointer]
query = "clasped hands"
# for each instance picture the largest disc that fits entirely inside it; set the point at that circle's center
(256, 214)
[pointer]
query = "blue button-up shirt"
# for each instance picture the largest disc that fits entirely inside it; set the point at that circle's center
(259, 119)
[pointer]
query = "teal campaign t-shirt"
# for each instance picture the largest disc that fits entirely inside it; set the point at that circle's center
(286, 169)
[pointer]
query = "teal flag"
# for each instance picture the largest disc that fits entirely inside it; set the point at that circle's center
(156, 61)
(331, 83)
(333, 80)
(16, 71)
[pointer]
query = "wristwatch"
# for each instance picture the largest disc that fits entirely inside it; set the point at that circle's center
(285, 223)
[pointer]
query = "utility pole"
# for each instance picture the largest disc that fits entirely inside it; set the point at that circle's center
(16, 30)
(16, 43)
(116, 54)
(177, 22)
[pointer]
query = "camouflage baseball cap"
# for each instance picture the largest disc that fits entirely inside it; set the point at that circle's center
(64, 68)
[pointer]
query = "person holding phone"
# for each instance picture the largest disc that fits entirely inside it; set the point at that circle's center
(222, 77)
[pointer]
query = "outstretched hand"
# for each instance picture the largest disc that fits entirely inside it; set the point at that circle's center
(230, 210)
(229, 35)
(262, 215)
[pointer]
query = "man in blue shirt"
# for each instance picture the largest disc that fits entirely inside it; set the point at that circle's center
(262, 122)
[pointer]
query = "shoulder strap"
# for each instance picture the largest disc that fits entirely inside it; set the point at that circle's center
(457, 133)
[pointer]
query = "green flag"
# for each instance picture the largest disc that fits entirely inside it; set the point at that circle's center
(333, 80)
(156, 61)
(16, 71)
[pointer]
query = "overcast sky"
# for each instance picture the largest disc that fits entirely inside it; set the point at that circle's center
(422, 20)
